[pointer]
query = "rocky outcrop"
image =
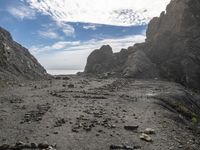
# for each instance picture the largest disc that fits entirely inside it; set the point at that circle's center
(16, 62)
(171, 50)
(95, 63)
(126, 63)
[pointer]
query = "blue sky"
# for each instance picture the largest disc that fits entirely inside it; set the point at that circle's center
(62, 33)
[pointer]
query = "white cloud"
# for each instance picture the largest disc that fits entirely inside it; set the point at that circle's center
(49, 34)
(67, 29)
(111, 12)
(90, 27)
(51, 30)
(73, 55)
(22, 12)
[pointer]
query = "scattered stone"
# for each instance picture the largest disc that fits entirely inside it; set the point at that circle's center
(124, 147)
(20, 145)
(34, 145)
(149, 131)
(50, 148)
(37, 114)
(57, 77)
(146, 137)
(75, 130)
(21, 85)
(43, 145)
(55, 132)
(131, 128)
(66, 78)
(59, 122)
(16, 100)
(71, 86)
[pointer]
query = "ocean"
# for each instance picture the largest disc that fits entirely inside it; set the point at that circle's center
(63, 72)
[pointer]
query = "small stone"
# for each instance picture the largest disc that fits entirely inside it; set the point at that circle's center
(149, 131)
(50, 148)
(100, 131)
(34, 145)
(55, 132)
(146, 137)
(43, 145)
(54, 145)
(87, 128)
(113, 126)
(21, 85)
(20, 145)
(132, 128)
(116, 146)
(75, 130)
(180, 146)
(71, 86)
(66, 78)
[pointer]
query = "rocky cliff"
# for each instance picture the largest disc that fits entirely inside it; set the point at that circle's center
(171, 50)
(16, 62)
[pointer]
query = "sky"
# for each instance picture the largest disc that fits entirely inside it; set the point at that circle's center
(62, 33)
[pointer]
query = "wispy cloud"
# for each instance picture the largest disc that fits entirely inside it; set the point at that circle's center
(90, 27)
(49, 34)
(51, 30)
(111, 12)
(73, 55)
(67, 29)
(22, 12)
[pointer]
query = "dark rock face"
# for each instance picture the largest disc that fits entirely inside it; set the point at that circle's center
(173, 42)
(16, 62)
(101, 60)
(171, 50)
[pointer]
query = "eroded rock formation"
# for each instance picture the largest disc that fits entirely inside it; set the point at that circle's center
(171, 50)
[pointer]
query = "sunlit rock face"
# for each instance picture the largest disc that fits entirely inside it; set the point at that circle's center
(171, 50)
(16, 62)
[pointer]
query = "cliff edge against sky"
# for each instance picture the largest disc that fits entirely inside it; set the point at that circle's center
(171, 50)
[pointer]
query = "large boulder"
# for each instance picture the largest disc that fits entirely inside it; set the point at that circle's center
(16, 62)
